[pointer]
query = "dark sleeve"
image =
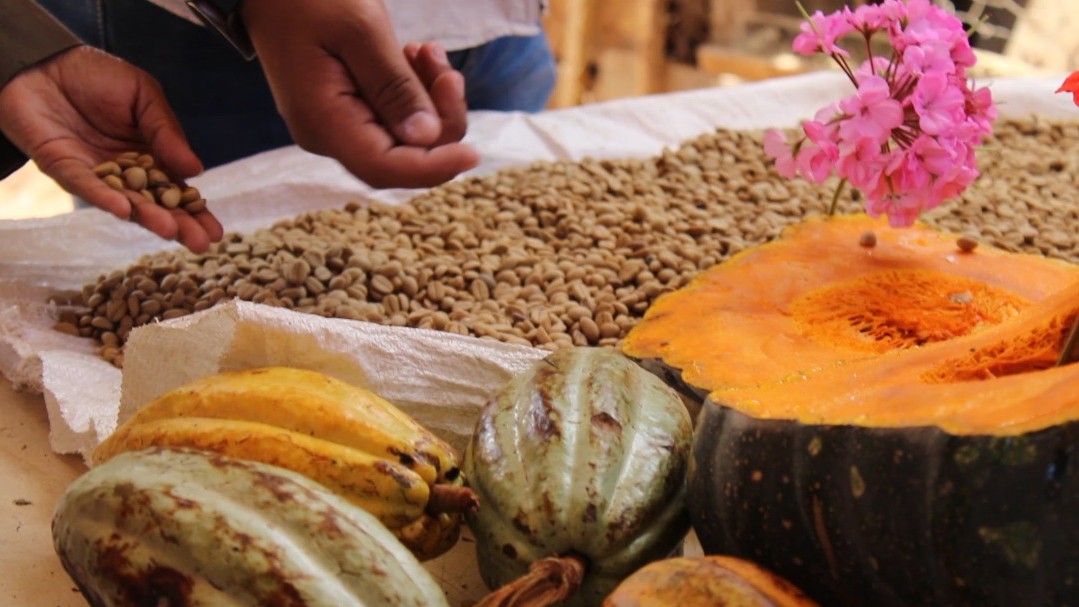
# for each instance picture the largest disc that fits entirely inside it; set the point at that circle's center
(28, 35)
(11, 159)
(224, 16)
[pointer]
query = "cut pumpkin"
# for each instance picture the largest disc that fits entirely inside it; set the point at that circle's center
(884, 426)
(943, 475)
(816, 297)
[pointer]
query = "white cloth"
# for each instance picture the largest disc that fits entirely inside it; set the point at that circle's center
(455, 24)
(55, 256)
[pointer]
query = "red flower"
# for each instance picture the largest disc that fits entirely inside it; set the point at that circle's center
(1071, 85)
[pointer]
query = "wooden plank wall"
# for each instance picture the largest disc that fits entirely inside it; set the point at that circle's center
(618, 48)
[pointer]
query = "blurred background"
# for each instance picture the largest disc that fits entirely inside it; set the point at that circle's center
(609, 49)
(617, 48)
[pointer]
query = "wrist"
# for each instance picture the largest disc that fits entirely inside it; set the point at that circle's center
(224, 16)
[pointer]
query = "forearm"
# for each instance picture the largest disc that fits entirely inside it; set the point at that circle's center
(28, 35)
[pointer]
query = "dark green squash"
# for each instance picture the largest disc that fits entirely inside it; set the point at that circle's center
(944, 475)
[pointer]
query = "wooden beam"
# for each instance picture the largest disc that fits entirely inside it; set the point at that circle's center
(570, 25)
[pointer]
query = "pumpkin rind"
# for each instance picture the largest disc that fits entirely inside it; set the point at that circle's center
(584, 454)
(194, 528)
(891, 516)
(716, 581)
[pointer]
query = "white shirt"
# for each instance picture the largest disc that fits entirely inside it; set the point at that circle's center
(456, 24)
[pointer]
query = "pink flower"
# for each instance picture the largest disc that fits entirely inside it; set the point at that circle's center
(872, 111)
(822, 133)
(775, 145)
(901, 208)
(904, 211)
(981, 111)
(877, 67)
(908, 172)
(921, 60)
(820, 33)
(873, 17)
(906, 137)
(815, 162)
(917, 10)
(936, 157)
(939, 105)
(861, 162)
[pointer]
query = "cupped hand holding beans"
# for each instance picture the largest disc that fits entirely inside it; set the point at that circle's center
(347, 90)
(83, 107)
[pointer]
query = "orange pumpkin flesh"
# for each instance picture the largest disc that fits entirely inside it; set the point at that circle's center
(999, 381)
(816, 296)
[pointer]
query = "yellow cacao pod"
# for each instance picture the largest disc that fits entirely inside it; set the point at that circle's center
(346, 438)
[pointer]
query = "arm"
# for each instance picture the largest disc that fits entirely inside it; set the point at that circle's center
(28, 35)
(393, 117)
(74, 108)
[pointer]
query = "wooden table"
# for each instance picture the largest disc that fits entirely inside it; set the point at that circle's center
(33, 478)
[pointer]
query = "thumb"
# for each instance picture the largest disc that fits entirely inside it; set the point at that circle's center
(159, 126)
(393, 90)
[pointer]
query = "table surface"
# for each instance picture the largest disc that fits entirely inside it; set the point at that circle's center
(33, 479)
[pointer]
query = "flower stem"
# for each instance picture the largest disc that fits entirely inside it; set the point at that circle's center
(835, 196)
(1070, 352)
(805, 13)
(976, 25)
(843, 65)
(869, 53)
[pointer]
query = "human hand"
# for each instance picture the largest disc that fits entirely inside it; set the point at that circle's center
(347, 90)
(84, 106)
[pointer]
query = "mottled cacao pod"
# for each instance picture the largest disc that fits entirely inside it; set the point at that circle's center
(584, 455)
(169, 526)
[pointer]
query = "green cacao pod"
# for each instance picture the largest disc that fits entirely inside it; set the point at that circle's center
(583, 455)
(184, 527)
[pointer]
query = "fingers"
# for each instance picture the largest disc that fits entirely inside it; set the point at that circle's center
(158, 125)
(152, 217)
(389, 85)
(353, 136)
(194, 231)
(78, 179)
(412, 167)
(345, 128)
(360, 142)
(445, 85)
(209, 224)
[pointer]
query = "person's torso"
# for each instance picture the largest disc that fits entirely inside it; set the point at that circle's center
(456, 24)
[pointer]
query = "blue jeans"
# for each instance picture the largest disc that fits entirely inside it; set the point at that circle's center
(224, 102)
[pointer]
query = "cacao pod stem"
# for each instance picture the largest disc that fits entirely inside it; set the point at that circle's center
(549, 581)
(452, 499)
